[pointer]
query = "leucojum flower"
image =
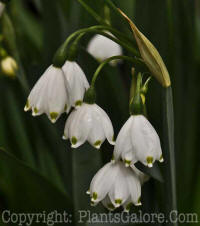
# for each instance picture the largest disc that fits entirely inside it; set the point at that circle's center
(101, 48)
(89, 122)
(137, 139)
(57, 90)
(64, 85)
(116, 185)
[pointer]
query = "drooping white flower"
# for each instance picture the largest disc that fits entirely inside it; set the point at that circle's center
(88, 122)
(115, 185)
(49, 95)
(101, 48)
(76, 82)
(138, 141)
(2, 6)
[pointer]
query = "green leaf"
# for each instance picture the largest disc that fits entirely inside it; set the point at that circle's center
(26, 190)
(154, 172)
(168, 152)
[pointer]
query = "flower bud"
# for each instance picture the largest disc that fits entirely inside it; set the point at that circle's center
(150, 55)
(8, 66)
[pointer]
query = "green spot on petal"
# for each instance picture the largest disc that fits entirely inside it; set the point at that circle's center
(65, 108)
(35, 110)
(94, 196)
(78, 103)
(127, 162)
(113, 138)
(27, 106)
(139, 200)
(53, 116)
(118, 201)
(110, 206)
(97, 143)
(74, 140)
(149, 160)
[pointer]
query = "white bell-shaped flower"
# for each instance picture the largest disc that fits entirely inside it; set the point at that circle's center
(76, 82)
(138, 141)
(115, 185)
(88, 122)
(2, 6)
(101, 48)
(49, 95)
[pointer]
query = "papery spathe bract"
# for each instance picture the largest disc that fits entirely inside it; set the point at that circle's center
(115, 185)
(49, 95)
(88, 122)
(138, 141)
(76, 82)
(101, 48)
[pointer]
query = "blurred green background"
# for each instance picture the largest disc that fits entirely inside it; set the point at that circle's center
(38, 170)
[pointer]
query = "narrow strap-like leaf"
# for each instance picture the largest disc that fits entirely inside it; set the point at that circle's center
(169, 155)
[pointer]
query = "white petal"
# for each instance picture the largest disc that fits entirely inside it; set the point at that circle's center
(127, 205)
(96, 135)
(102, 182)
(38, 98)
(123, 141)
(68, 124)
(107, 125)
(134, 186)
(108, 204)
(76, 80)
(57, 95)
(128, 157)
(145, 141)
(119, 192)
(80, 126)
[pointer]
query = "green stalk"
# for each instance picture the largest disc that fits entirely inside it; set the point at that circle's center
(168, 151)
(98, 18)
(112, 6)
(127, 58)
(96, 29)
(61, 54)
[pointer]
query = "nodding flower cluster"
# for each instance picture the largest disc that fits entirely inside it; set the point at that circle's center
(59, 89)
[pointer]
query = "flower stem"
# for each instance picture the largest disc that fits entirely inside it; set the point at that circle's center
(92, 12)
(97, 29)
(61, 54)
(127, 58)
(110, 3)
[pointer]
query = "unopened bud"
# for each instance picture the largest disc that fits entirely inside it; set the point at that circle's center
(8, 66)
